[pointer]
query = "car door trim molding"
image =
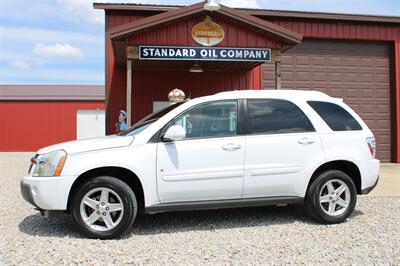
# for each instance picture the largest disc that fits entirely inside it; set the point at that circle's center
(262, 171)
(221, 204)
(196, 176)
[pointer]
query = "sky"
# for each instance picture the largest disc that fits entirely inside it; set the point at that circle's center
(62, 41)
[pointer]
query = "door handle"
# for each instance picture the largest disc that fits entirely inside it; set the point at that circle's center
(306, 141)
(231, 147)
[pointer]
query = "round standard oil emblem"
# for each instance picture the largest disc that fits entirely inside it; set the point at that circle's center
(208, 33)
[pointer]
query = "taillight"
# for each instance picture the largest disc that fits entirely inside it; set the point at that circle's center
(372, 146)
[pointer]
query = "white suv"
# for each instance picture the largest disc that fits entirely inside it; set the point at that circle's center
(232, 149)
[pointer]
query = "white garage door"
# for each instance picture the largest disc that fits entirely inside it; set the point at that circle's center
(90, 123)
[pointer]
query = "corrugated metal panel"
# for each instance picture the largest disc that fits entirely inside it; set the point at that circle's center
(310, 28)
(341, 30)
(52, 92)
(260, 13)
(116, 98)
(117, 18)
(30, 125)
(116, 77)
(180, 32)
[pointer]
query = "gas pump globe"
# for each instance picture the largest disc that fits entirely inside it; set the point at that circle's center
(176, 96)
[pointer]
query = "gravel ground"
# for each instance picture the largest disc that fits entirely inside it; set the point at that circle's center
(268, 235)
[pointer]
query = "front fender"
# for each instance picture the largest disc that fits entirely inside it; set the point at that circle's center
(139, 159)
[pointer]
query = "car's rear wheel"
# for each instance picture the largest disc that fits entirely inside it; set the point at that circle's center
(104, 207)
(331, 197)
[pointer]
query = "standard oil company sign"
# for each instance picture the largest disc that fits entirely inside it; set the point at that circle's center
(204, 53)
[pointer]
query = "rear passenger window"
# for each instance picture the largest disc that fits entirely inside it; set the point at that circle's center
(276, 117)
(337, 118)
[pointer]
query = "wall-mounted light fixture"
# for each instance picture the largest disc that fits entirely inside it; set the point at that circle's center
(211, 5)
(196, 68)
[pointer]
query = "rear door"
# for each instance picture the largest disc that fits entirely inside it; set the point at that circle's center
(281, 142)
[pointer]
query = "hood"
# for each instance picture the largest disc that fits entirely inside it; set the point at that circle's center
(85, 145)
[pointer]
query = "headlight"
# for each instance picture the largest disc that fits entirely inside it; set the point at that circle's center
(49, 164)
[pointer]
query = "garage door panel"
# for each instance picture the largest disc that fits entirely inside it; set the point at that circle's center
(288, 59)
(351, 93)
(302, 60)
(351, 77)
(351, 61)
(357, 72)
(319, 60)
(384, 136)
(303, 75)
(382, 108)
(289, 75)
(383, 124)
(335, 61)
(367, 62)
(319, 76)
(382, 78)
(366, 77)
(380, 63)
(335, 76)
(367, 93)
(382, 93)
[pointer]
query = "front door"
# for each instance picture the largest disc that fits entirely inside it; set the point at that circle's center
(208, 163)
(280, 144)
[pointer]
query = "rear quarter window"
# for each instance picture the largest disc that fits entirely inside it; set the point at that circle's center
(335, 116)
(270, 116)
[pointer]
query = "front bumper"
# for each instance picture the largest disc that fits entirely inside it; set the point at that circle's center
(47, 193)
(26, 192)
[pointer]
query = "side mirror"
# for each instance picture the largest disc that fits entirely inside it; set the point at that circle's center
(174, 133)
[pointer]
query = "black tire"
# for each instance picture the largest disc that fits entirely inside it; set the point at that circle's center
(126, 195)
(312, 201)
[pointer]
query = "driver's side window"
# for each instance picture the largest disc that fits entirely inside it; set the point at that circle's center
(216, 119)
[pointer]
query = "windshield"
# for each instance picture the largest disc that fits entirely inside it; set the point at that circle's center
(148, 120)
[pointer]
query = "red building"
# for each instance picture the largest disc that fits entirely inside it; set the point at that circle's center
(355, 57)
(35, 116)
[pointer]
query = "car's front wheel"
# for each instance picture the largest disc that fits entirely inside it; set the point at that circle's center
(331, 197)
(104, 207)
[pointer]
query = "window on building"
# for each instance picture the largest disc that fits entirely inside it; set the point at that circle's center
(337, 118)
(276, 117)
(158, 105)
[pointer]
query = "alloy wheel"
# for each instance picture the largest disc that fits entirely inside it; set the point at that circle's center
(101, 209)
(335, 197)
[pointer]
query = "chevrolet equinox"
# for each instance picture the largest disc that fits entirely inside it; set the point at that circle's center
(232, 149)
